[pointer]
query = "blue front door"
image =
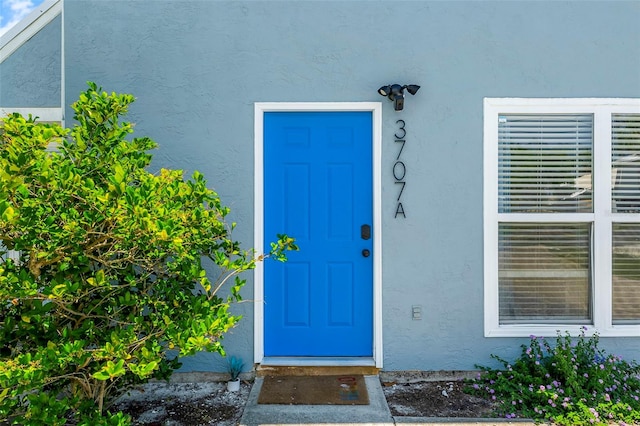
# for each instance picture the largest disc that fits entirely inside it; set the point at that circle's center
(318, 189)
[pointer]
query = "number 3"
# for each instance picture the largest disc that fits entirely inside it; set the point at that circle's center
(404, 132)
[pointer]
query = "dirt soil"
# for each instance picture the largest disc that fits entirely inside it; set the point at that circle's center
(195, 404)
(185, 404)
(434, 399)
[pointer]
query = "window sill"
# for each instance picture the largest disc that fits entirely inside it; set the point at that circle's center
(527, 330)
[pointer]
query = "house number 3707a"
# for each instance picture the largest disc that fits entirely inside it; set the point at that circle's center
(399, 168)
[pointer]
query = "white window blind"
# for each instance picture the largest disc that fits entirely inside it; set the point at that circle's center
(626, 273)
(544, 163)
(625, 158)
(544, 273)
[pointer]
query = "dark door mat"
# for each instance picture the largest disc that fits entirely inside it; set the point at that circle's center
(314, 390)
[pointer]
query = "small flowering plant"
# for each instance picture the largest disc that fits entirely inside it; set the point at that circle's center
(571, 383)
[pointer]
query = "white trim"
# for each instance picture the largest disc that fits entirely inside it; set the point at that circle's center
(602, 216)
(28, 27)
(376, 109)
(602, 233)
(63, 75)
(43, 114)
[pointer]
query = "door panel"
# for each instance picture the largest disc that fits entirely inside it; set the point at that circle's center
(318, 189)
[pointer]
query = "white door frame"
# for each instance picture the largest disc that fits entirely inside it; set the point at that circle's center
(376, 109)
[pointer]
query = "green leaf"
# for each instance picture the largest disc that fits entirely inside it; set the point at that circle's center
(119, 173)
(101, 375)
(110, 370)
(59, 290)
(8, 214)
(148, 368)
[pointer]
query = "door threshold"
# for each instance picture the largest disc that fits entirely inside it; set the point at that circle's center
(316, 366)
(311, 366)
(309, 361)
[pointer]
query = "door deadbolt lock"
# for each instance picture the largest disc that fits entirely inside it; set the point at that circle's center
(366, 253)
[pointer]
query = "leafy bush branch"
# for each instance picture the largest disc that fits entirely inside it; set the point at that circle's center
(111, 274)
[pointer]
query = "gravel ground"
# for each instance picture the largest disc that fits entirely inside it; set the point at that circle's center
(195, 404)
(185, 404)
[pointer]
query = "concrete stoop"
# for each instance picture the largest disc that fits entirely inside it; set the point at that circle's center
(376, 413)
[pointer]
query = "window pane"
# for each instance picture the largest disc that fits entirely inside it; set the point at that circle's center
(544, 273)
(625, 156)
(544, 163)
(626, 273)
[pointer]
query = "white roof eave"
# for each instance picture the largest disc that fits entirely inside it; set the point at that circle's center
(28, 27)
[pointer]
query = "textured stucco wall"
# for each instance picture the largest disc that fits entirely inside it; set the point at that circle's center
(30, 77)
(198, 67)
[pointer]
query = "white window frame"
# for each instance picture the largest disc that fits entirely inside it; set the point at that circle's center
(43, 114)
(602, 216)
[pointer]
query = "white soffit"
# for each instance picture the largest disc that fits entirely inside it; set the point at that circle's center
(28, 27)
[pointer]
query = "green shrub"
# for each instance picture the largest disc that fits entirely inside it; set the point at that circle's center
(111, 273)
(572, 383)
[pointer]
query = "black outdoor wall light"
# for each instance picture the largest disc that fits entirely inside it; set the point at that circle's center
(395, 92)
